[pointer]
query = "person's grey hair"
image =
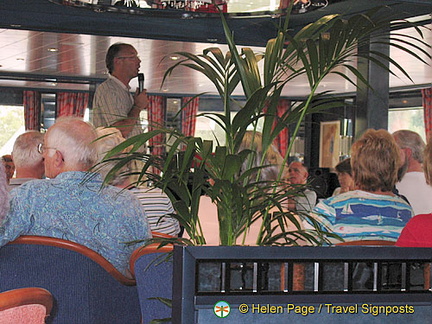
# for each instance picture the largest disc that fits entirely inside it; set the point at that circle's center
(25, 152)
(74, 138)
(412, 140)
(108, 138)
(4, 193)
(112, 53)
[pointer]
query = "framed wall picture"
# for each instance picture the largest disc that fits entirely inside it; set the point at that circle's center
(329, 144)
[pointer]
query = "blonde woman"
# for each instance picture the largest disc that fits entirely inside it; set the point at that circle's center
(373, 211)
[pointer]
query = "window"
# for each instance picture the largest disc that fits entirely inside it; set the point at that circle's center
(208, 129)
(11, 125)
(407, 118)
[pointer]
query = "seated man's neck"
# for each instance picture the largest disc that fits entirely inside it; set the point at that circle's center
(415, 166)
(28, 173)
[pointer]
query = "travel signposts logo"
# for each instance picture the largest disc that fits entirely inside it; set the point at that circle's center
(221, 309)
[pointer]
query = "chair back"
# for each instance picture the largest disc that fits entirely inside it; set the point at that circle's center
(153, 273)
(368, 242)
(85, 286)
(25, 306)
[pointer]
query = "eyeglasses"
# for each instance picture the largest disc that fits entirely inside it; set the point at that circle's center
(41, 148)
(128, 57)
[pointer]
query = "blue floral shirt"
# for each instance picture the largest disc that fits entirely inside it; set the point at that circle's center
(75, 207)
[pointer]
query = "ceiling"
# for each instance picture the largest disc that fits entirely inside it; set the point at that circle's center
(36, 55)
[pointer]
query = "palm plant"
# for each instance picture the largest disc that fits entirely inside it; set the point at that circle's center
(240, 193)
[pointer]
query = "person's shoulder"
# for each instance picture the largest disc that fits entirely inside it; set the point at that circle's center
(422, 218)
(400, 200)
(343, 197)
(109, 189)
(148, 192)
(118, 193)
(29, 189)
(414, 175)
(107, 85)
(31, 184)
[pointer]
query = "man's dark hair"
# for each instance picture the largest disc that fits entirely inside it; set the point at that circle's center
(112, 54)
(344, 166)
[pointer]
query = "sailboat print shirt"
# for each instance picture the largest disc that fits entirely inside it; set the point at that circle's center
(360, 215)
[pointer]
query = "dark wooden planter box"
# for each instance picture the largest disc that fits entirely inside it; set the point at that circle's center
(359, 284)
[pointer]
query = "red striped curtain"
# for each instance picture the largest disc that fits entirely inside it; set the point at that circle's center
(32, 110)
(427, 110)
(282, 140)
(72, 103)
(189, 113)
(156, 119)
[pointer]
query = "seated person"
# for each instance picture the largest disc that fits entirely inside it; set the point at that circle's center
(4, 194)
(412, 184)
(345, 178)
(418, 231)
(29, 163)
(372, 212)
(72, 204)
(9, 166)
(154, 201)
(305, 199)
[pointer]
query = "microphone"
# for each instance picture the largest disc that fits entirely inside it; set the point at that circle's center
(141, 82)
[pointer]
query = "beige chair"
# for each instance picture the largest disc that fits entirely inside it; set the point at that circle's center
(25, 306)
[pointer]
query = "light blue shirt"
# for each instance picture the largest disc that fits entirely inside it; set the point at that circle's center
(74, 207)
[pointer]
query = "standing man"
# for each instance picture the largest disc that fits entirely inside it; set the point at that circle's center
(306, 199)
(113, 104)
(29, 163)
(412, 183)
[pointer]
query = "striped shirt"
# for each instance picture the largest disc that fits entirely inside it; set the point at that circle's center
(158, 207)
(360, 215)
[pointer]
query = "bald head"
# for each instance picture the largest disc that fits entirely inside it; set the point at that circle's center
(298, 173)
(69, 146)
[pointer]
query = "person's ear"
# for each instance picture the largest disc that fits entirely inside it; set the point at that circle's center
(408, 152)
(58, 158)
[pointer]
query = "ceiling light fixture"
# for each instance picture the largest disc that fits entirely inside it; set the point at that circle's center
(52, 49)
